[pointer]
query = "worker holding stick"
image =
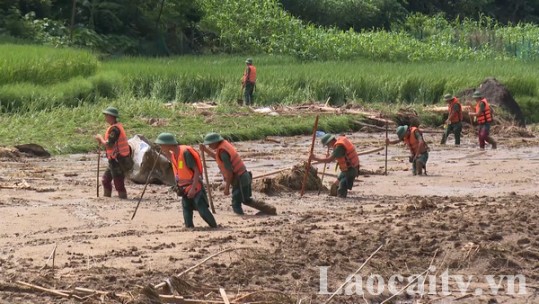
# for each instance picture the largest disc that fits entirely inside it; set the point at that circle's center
(483, 113)
(454, 119)
(118, 154)
(187, 168)
(419, 152)
(235, 174)
(348, 160)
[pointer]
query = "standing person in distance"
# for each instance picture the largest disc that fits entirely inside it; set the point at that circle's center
(483, 113)
(248, 82)
(454, 119)
(118, 154)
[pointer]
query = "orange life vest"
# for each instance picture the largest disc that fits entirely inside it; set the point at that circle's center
(183, 174)
(121, 147)
(412, 141)
(238, 167)
(455, 117)
(487, 115)
(249, 75)
(350, 159)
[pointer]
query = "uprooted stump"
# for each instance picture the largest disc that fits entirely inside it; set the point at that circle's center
(407, 116)
(294, 179)
(290, 180)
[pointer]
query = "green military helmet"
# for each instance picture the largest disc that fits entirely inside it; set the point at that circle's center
(326, 139)
(249, 61)
(112, 111)
(477, 94)
(212, 138)
(448, 97)
(166, 139)
(401, 130)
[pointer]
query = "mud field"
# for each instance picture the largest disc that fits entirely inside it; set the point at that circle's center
(475, 214)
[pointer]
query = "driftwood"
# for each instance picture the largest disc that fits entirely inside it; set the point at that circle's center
(163, 284)
(355, 273)
(50, 291)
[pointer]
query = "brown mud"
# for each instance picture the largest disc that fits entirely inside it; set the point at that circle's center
(474, 214)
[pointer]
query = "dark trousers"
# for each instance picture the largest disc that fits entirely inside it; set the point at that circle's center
(199, 203)
(454, 128)
(248, 94)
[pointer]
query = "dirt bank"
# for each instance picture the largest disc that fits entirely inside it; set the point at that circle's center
(475, 214)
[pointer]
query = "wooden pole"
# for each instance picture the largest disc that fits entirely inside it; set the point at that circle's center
(308, 163)
(323, 174)
(201, 147)
(385, 168)
(146, 185)
(98, 165)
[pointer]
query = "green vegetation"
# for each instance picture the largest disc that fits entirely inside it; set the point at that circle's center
(71, 130)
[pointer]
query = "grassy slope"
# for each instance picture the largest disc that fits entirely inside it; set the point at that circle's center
(64, 130)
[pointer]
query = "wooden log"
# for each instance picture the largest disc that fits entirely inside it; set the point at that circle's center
(47, 290)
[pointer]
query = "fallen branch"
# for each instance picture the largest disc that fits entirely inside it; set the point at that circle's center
(47, 290)
(224, 296)
(162, 284)
(404, 288)
(353, 275)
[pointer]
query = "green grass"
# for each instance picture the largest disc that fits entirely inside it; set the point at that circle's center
(42, 65)
(71, 130)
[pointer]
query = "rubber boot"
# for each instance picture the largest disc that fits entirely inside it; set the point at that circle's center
(262, 206)
(120, 186)
(491, 141)
(419, 167)
(333, 191)
(187, 211)
(106, 181)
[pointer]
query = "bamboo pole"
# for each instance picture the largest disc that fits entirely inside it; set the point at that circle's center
(323, 173)
(308, 163)
(201, 147)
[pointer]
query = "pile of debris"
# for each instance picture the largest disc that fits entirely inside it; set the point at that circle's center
(290, 180)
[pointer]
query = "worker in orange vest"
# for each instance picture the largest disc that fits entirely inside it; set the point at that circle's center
(348, 160)
(234, 174)
(118, 154)
(419, 151)
(454, 119)
(187, 168)
(483, 112)
(248, 82)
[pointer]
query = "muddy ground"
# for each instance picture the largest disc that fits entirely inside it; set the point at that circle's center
(474, 214)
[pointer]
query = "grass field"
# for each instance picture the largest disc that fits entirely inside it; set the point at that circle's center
(54, 97)
(71, 130)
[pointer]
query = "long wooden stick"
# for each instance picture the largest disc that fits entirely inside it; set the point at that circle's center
(404, 288)
(98, 165)
(323, 174)
(224, 296)
(146, 185)
(162, 284)
(308, 163)
(201, 147)
(51, 291)
(352, 276)
(385, 168)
